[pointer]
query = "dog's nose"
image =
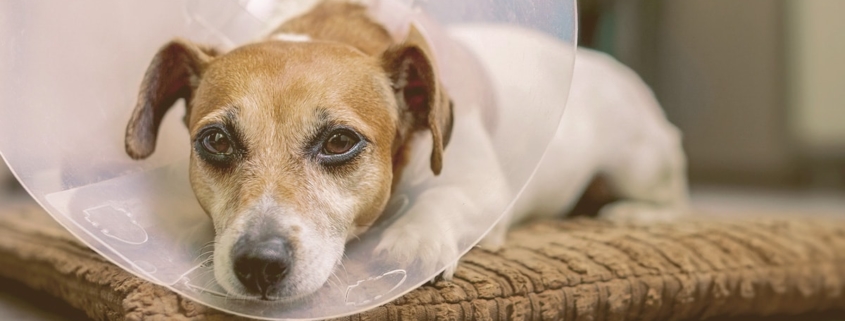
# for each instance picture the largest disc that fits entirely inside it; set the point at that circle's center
(261, 266)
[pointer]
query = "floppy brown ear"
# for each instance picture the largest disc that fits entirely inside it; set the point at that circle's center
(173, 74)
(423, 103)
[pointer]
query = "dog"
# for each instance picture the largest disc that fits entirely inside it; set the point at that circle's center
(300, 139)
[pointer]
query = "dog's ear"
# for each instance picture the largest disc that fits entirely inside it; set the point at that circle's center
(173, 74)
(423, 102)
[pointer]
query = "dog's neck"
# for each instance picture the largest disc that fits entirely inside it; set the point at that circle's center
(338, 21)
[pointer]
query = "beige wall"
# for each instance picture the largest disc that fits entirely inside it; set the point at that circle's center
(757, 86)
(720, 77)
(816, 61)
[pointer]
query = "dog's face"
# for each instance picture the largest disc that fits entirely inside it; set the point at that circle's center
(295, 147)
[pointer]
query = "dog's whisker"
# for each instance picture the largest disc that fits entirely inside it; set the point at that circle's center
(333, 283)
(206, 254)
(208, 284)
(339, 280)
(206, 245)
(205, 258)
(343, 266)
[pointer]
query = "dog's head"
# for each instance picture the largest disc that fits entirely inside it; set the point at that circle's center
(295, 147)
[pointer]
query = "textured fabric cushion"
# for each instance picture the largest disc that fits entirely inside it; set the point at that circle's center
(567, 269)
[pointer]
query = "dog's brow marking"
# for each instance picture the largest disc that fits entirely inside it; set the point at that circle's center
(231, 115)
(220, 115)
(323, 115)
(292, 37)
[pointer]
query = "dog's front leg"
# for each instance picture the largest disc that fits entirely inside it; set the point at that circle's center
(454, 209)
(433, 230)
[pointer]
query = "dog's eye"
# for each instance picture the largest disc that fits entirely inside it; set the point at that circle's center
(218, 146)
(340, 142)
(339, 147)
(217, 142)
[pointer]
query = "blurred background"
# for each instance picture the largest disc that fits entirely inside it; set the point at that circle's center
(756, 86)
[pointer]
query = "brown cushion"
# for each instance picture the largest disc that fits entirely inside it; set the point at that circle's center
(567, 269)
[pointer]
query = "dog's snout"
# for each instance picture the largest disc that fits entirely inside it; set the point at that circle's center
(261, 266)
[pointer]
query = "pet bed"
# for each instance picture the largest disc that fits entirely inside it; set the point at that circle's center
(580, 269)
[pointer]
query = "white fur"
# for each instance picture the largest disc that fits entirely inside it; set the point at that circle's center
(612, 125)
(290, 37)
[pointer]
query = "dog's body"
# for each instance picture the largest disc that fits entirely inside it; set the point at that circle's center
(612, 127)
(301, 138)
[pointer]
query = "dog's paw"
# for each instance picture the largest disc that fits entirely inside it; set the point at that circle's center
(641, 213)
(429, 234)
(447, 274)
(418, 244)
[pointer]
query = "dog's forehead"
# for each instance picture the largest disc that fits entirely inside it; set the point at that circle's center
(286, 62)
(287, 81)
